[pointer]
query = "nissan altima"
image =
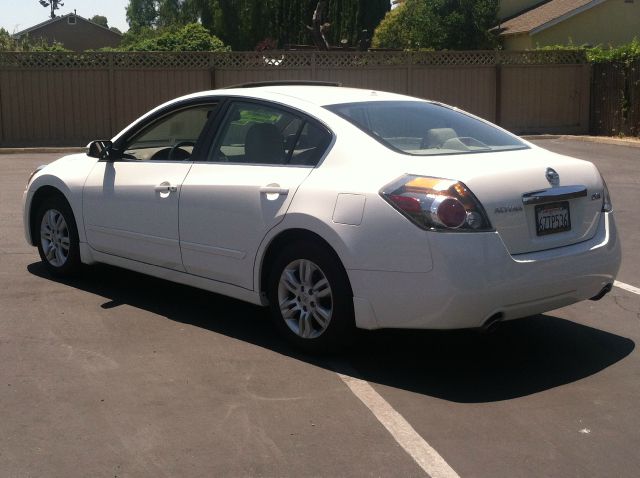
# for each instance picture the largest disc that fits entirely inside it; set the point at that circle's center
(337, 208)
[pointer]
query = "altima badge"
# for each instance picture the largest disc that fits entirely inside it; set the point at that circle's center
(506, 209)
(553, 177)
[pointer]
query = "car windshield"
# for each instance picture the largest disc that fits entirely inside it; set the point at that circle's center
(422, 129)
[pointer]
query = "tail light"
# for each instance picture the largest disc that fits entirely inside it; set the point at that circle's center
(437, 204)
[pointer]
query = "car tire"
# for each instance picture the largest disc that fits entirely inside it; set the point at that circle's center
(56, 234)
(319, 320)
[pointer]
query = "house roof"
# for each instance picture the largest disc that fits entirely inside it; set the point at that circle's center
(544, 16)
(57, 19)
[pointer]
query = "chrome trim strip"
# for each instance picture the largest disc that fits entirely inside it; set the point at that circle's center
(554, 194)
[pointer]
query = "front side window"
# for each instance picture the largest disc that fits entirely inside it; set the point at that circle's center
(254, 133)
(421, 129)
(171, 138)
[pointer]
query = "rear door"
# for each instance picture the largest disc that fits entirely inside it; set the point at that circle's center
(260, 156)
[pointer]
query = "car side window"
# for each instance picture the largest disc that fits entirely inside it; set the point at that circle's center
(256, 134)
(311, 145)
(172, 137)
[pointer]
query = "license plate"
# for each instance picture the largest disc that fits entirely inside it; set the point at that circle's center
(552, 218)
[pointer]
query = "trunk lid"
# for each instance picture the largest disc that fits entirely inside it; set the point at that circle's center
(516, 193)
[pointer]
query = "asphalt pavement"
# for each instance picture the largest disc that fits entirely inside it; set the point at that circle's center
(121, 375)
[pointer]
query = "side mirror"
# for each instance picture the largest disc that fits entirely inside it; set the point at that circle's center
(99, 149)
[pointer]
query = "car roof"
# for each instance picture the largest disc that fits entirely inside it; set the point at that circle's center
(317, 95)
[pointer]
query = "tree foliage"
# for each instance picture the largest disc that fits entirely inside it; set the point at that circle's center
(100, 20)
(626, 53)
(141, 14)
(191, 37)
(245, 24)
(439, 24)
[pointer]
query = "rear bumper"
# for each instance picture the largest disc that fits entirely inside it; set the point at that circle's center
(474, 277)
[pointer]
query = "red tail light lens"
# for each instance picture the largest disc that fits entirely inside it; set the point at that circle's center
(437, 204)
(450, 212)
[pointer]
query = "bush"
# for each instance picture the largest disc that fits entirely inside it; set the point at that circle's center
(191, 37)
(439, 24)
(624, 53)
(599, 54)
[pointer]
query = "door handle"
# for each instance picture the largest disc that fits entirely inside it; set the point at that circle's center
(165, 188)
(274, 189)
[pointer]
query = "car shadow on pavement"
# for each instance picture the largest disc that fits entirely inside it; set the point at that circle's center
(519, 358)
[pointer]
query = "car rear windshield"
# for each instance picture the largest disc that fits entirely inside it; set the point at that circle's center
(422, 129)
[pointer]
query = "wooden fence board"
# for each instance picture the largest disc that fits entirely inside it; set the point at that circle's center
(61, 99)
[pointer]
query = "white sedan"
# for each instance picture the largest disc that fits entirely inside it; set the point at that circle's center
(336, 207)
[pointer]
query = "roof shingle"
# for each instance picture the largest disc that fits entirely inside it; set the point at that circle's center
(550, 11)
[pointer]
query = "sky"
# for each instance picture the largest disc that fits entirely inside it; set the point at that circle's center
(16, 15)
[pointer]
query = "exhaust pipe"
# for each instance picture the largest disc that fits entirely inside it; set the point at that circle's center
(605, 290)
(492, 322)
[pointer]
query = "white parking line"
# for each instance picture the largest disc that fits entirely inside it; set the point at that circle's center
(425, 456)
(626, 287)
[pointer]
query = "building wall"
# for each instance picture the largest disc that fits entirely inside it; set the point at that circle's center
(613, 22)
(82, 35)
(518, 42)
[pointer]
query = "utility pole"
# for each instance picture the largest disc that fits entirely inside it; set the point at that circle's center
(54, 4)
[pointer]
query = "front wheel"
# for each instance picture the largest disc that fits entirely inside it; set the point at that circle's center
(57, 235)
(310, 298)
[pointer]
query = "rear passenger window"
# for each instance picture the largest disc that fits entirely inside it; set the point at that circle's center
(255, 133)
(311, 145)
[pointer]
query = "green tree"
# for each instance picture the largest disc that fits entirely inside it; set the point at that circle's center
(243, 24)
(439, 24)
(100, 20)
(191, 37)
(141, 13)
(169, 13)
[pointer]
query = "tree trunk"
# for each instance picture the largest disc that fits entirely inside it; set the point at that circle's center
(318, 27)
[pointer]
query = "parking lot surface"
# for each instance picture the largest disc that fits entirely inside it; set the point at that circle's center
(118, 374)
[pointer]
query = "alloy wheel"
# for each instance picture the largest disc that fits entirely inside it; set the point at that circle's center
(55, 237)
(305, 298)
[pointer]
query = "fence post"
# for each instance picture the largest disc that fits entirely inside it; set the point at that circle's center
(409, 60)
(585, 96)
(498, 110)
(212, 70)
(1, 119)
(633, 71)
(313, 66)
(113, 117)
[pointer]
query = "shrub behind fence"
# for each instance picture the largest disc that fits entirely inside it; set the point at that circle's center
(615, 99)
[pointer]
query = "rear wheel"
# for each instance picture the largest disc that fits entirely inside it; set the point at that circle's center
(310, 298)
(57, 236)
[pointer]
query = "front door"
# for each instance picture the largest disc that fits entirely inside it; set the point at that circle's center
(130, 204)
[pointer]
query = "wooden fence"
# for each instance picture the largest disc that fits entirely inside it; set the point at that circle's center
(61, 99)
(615, 99)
